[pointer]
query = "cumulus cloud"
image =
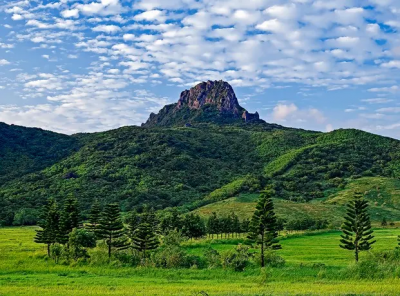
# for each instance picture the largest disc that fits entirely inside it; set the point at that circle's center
(111, 29)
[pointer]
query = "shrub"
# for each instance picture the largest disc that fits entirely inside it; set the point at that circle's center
(213, 258)
(79, 241)
(274, 260)
(237, 259)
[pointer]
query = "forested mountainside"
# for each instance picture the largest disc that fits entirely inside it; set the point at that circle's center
(26, 150)
(187, 162)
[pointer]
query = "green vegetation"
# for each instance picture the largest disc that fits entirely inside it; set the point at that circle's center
(357, 233)
(311, 260)
(189, 167)
(263, 226)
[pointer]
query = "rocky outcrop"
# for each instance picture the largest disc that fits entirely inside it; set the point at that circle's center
(207, 102)
(214, 93)
(250, 116)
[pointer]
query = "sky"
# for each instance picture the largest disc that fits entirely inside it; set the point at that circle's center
(94, 65)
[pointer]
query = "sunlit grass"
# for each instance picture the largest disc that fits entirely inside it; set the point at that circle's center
(24, 270)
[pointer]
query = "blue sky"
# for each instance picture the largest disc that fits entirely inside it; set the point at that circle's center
(93, 65)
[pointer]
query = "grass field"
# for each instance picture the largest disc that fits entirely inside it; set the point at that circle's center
(25, 271)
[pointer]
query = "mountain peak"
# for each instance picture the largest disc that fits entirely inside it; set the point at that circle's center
(215, 93)
(207, 102)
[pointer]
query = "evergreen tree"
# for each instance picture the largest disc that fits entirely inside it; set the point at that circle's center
(94, 216)
(212, 224)
(171, 221)
(193, 226)
(245, 226)
(144, 239)
(49, 221)
(69, 219)
(133, 222)
(263, 228)
(357, 233)
(235, 223)
(111, 228)
(149, 217)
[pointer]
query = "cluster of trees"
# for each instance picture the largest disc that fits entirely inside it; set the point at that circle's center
(307, 223)
(64, 227)
(142, 232)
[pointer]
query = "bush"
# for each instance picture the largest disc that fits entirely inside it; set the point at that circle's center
(238, 259)
(79, 241)
(213, 258)
(173, 257)
(274, 260)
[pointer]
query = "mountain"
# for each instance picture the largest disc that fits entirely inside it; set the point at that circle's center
(26, 150)
(207, 102)
(201, 159)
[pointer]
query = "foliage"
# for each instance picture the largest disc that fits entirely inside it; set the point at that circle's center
(111, 228)
(79, 241)
(49, 223)
(357, 232)
(144, 239)
(69, 219)
(263, 226)
(238, 259)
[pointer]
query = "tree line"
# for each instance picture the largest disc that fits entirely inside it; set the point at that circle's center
(63, 226)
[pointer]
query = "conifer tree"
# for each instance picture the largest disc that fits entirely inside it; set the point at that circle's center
(149, 217)
(144, 239)
(133, 222)
(94, 216)
(111, 228)
(69, 219)
(357, 233)
(235, 223)
(212, 223)
(49, 221)
(263, 228)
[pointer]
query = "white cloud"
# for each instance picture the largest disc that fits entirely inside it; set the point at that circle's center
(377, 101)
(150, 15)
(70, 13)
(103, 7)
(4, 62)
(111, 29)
(282, 111)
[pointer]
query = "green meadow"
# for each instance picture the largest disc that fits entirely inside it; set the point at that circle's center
(315, 265)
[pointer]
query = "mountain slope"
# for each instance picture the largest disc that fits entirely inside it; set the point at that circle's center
(167, 163)
(25, 150)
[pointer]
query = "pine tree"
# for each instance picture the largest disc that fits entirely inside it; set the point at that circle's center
(94, 216)
(212, 224)
(144, 239)
(263, 228)
(69, 219)
(49, 225)
(133, 222)
(235, 223)
(357, 233)
(149, 217)
(111, 228)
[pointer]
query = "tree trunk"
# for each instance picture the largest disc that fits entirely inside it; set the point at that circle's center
(48, 250)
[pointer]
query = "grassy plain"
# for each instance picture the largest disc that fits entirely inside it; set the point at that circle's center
(315, 266)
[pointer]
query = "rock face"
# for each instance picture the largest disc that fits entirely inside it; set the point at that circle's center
(207, 102)
(216, 93)
(250, 116)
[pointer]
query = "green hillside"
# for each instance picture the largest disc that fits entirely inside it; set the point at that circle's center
(383, 195)
(25, 150)
(193, 166)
